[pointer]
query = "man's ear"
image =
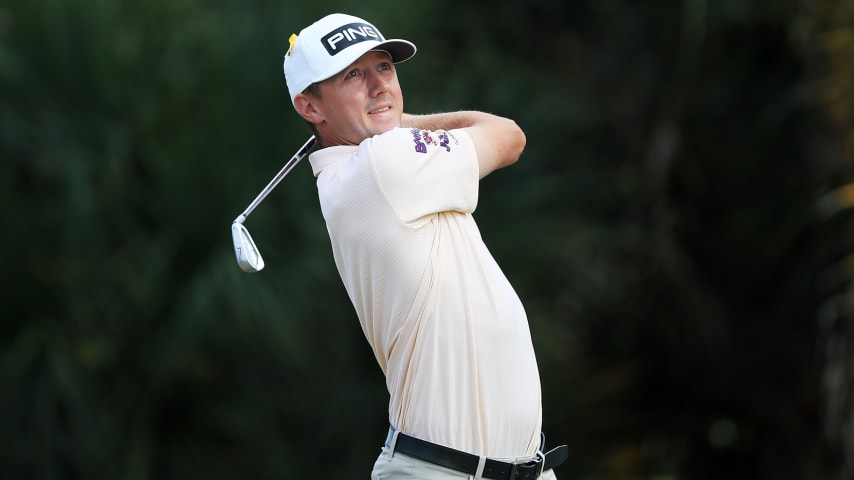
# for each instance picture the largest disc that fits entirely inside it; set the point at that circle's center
(307, 109)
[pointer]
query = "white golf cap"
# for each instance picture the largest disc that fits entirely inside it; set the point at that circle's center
(332, 43)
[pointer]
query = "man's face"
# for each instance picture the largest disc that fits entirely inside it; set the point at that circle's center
(361, 101)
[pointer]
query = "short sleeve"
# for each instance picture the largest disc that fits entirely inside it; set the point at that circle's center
(422, 172)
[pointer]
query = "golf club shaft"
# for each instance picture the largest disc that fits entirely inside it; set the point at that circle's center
(302, 152)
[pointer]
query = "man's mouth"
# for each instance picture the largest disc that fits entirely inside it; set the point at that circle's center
(379, 110)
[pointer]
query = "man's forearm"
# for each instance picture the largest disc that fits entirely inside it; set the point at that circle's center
(444, 121)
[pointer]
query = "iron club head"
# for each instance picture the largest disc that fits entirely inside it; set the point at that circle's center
(248, 256)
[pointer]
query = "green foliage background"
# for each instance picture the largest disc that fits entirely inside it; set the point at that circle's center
(679, 228)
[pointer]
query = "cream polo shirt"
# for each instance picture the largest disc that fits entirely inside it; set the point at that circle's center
(447, 328)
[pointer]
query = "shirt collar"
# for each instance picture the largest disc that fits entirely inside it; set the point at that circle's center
(330, 155)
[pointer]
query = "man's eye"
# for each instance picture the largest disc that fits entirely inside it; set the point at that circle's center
(385, 66)
(352, 73)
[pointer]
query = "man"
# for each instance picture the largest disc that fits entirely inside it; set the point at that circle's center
(397, 192)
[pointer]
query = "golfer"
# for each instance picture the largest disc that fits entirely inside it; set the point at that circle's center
(397, 192)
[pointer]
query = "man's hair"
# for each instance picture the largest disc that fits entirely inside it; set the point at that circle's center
(313, 89)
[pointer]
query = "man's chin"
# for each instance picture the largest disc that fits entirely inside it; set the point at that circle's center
(380, 129)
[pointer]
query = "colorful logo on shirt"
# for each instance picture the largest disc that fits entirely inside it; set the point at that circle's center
(420, 147)
(422, 138)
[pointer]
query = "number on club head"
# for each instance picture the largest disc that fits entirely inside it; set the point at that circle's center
(248, 257)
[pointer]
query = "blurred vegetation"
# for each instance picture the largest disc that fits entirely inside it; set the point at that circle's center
(679, 229)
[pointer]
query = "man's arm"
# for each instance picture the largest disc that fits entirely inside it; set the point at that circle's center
(498, 141)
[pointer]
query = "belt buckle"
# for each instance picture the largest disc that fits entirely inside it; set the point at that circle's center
(539, 463)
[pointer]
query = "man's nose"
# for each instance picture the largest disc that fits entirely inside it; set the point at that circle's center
(378, 83)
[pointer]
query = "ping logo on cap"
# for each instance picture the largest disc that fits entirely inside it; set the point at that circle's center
(348, 35)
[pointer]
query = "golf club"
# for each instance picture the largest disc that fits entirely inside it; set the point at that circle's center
(248, 256)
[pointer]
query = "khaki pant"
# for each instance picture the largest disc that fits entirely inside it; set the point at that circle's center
(401, 467)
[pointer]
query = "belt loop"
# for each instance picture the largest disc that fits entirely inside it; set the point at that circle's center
(392, 433)
(481, 462)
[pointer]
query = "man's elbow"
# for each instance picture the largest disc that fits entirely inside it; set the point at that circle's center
(517, 143)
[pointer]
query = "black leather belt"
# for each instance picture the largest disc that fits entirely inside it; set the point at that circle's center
(467, 462)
